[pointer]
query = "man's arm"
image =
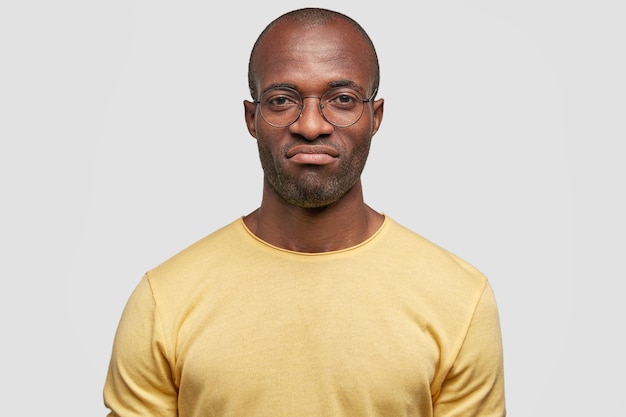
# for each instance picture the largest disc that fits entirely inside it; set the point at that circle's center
(474, 386)
(139, 381)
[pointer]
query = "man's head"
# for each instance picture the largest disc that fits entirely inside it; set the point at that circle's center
(313, 76)
(309, 17)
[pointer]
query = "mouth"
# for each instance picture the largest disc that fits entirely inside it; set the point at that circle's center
(312, 154)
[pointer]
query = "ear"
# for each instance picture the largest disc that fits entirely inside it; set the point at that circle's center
(249, 109)
(377, 108)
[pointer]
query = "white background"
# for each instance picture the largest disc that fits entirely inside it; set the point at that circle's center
(122, 142)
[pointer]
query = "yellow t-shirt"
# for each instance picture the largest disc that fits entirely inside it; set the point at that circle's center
(233, 326)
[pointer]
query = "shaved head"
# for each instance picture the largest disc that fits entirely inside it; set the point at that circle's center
(311, 17)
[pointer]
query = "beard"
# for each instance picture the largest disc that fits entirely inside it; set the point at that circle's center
(313, 187)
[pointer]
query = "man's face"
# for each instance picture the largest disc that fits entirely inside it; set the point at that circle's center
(312, 163)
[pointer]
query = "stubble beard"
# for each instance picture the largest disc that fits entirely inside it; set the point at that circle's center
(313, 188)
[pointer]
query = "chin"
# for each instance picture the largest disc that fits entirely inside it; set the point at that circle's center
(313, 204)
(313, 200)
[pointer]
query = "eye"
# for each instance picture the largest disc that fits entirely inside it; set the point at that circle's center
(280, 99)
(345, 98)
(342, 99)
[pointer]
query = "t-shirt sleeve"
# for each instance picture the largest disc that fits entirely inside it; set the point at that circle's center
(475, 385)
(139, 380)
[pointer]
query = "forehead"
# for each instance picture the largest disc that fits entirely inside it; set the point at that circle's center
(313, 57)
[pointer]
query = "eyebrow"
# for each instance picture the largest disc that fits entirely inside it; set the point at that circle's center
(331, 84)
(345, 83)
(278, 85)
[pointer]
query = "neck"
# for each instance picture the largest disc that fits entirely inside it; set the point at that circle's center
(341, 225)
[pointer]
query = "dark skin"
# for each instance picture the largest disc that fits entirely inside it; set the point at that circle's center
(312, 192)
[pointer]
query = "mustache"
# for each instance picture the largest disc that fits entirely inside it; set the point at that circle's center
(319, 142)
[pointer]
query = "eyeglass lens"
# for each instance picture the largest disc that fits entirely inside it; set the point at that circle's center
(342, 107)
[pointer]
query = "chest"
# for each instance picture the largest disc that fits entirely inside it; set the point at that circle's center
(353, 346)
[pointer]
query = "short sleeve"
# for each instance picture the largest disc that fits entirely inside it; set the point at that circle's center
(139, 380)
(475, 384)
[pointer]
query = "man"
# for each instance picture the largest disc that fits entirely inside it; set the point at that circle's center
(314, 304)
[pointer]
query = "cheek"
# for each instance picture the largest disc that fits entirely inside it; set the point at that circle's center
(360, 140)
(269, 153)
(264, 151)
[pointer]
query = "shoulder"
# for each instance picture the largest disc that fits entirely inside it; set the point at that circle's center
(420, 253)
(193, 262)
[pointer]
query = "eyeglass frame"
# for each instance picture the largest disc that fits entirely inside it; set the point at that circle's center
(320, 106)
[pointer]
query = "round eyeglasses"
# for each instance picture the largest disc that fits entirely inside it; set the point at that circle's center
(341, 106)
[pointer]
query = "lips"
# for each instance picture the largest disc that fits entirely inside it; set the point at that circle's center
(312, 154)
(312, 150)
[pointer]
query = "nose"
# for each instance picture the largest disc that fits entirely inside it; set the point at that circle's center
(311, 124)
